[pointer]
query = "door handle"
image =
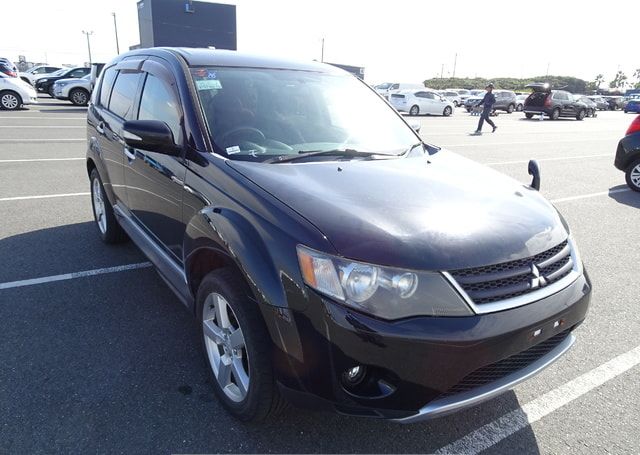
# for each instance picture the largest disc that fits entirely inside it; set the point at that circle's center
(100, 127)
(130, 153)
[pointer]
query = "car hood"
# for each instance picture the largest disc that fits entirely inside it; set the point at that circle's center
(440, 212)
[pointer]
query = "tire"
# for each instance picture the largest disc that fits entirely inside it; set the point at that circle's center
(555, 114)
(632, 175)
(108, 227)
(510, 109)
(415, 110)
(469, 110)
(528, 115)
(447, 111)
(581, 114)
(79, 97)
(222, 296)
(519, 108)
(50, 91)
(10, 100)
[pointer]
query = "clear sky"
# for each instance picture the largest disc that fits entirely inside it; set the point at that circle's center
(401, 40)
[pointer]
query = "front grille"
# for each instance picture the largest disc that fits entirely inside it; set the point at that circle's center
(503, 281)
(499, 370)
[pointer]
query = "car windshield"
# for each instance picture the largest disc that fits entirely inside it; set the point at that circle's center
(384, 86)
(258, 114)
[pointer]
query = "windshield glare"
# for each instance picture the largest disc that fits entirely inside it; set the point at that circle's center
(257, 114)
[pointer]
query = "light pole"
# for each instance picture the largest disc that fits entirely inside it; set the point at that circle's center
(115, 27)
(322, 51)
(88, 44)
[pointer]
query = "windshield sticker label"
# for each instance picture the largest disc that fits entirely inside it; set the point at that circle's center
(212, 75)
(233, 150)
(208, 84)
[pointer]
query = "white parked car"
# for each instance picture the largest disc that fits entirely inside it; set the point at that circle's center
(520, 102)
(14, 92)
(452, 96)
(462, 92)
(394, 87)
(37, 72)
(76, 90)
(417, 102)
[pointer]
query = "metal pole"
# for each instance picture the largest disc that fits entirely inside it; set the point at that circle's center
(115, 27)
(455, 61)
(322, 52)
(548, 68)
(441, 71)
(88, 45)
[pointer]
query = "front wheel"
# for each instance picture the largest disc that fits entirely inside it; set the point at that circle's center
(50, 91)
(237, 347)
(519, 108)
(581, 114)
(10, 100)
(108, 226)
(632, 175)
(415, 110)
(555, 114)
(447, 111)
(528, 115)
(79, 97)
(510, 109)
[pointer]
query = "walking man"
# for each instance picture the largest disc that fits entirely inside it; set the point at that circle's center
(487, 107)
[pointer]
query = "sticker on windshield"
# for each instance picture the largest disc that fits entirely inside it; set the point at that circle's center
(233, 150)
(208, 84)
(212, 75)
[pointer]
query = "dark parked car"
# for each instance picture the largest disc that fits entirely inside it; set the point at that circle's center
(615, 102)
(553, 103)
(632, 105)
(628, 155)
(601, 103)
(592, 106)
(505, 101)
(45, 84)
(291, 229)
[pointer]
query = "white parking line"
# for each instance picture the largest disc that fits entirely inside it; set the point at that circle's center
(487, 144)
(42, 126)
(45, 140)
(585, 196)
(41, 159)
(28, 117)
(551, 159)
(43, 196)
(492, 433)
(73, 275)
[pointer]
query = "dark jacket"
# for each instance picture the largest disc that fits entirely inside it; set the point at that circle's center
(489, 100)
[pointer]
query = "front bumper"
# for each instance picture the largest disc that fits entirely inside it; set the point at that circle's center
(416, 363)
(628, 150)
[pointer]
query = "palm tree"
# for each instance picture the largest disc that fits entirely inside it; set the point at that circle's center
(619, 81)
(599, 80)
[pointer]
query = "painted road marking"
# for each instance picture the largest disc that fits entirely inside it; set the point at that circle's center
(551, 159)
(492, 144)
(34, 160)
(42, 126)
(46, 140)
(585, 196)
(44, 196)
(73, 275)
(492, 433)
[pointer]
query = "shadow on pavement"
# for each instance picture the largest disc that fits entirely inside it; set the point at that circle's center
(113, 363)
(631, 198)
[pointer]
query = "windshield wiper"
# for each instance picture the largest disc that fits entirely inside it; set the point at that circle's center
(347, 153)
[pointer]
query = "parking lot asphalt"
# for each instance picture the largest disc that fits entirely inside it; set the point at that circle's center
(108, 361)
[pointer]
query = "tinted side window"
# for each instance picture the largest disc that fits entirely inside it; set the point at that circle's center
(124, 90)
(430, 96)
(78, 72)
(158, 102)
(108, 79)
(395, 86)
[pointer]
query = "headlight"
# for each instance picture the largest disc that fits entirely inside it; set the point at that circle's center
(60, 84)
(43, 80)
(385, 292)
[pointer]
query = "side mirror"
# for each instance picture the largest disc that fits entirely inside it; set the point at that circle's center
(415, 125)
(534, 170)
(151, 135)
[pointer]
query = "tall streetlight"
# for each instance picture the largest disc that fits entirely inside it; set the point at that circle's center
(88, 43)
(115, 27)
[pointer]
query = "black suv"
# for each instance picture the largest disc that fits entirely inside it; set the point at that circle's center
(329, 255)
(553, 103)
(505, 101)
(628, 155)
(45, 84)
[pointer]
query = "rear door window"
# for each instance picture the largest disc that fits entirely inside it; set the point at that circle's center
(124, 91)
(108, 79)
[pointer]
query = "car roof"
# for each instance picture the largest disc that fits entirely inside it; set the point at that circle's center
(218, 57)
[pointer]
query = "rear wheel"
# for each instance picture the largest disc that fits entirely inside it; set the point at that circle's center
(79, 97)
(528, 114)
(108, 226)
(447, 111)
(511, 108)
(632, 175)
(10, 100)
(237, 347)
(519, 108)
(555, 114)
(415, 110)
(581, 114)
(50, 91)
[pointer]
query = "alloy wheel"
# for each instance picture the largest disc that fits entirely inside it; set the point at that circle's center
(635, 176)
(79, 97)
(98, 206)
(9, 101)
(226, 348)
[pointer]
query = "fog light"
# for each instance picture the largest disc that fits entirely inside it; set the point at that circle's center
(354, 375)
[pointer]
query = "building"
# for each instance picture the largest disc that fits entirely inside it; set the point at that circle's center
(186, 23)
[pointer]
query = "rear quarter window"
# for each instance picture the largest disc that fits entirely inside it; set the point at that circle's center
(106, 85)
(124, 90)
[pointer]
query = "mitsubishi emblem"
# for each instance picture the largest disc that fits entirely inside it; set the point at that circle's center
(537, 281)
